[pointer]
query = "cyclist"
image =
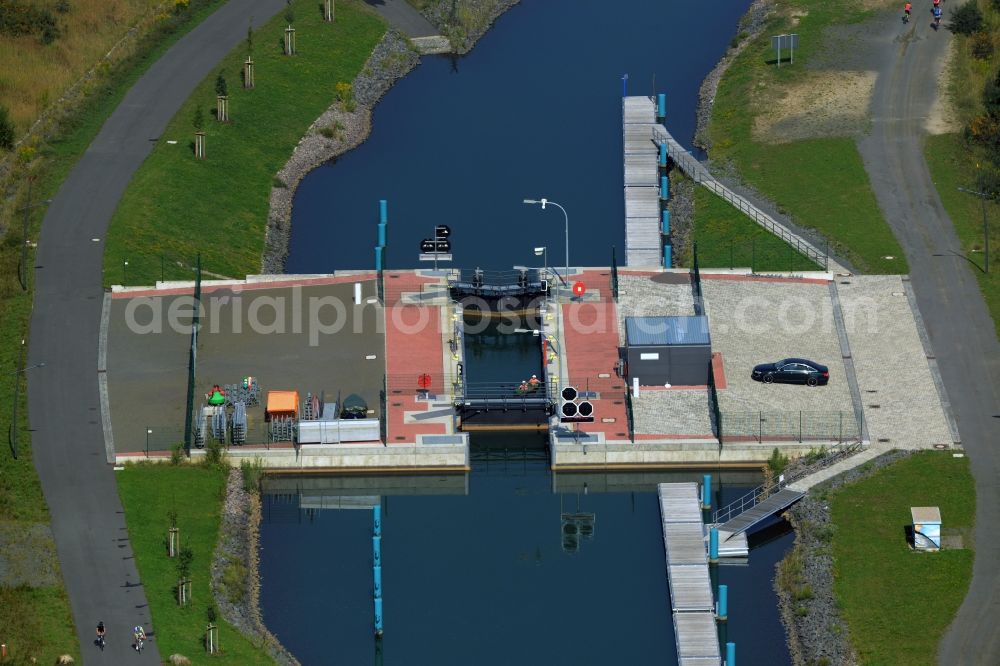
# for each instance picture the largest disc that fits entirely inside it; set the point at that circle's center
(100, 634)
(906, 12)
(937, 16)
(140, 637)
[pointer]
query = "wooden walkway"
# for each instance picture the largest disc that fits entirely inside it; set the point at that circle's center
(691, 598)
(642, 188)
(780, 500)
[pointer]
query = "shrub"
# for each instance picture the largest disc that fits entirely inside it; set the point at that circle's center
(214, 453)
(6, 130)
(198, 118)
(233, 576)
(184, 560)
(981, 45)
(777, 462)
(252, 472)
(967, 19)
(177, 454)
(221, 88)
(17, 19)
(278, 182)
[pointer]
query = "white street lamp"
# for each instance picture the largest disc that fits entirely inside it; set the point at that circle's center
(544, 203)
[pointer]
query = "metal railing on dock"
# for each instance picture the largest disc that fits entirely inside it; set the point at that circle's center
(699, 174)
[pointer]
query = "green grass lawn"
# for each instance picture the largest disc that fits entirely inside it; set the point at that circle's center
(897, 602)
(729, 239)
(821, 183)
(149, 493)
(179, 206)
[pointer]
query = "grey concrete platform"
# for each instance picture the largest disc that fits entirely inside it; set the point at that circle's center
(264, 333)
(762, 321)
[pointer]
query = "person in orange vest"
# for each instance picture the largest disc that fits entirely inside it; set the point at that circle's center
(523, 388)
(534, 383)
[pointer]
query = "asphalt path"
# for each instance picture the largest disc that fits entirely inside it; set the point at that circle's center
(401, 15)
(67, 436)
(958, 323)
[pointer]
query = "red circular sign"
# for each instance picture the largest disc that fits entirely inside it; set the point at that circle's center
(579, 289)
(424, 381)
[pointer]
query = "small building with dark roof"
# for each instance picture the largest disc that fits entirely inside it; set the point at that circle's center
(668, 350)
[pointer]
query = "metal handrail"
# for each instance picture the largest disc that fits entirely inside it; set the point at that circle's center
(701, 175)
(749, 500)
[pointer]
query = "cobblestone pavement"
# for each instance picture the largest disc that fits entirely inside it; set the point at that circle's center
(901, 402)
(758, 321)
(675, 412)
(662, 295)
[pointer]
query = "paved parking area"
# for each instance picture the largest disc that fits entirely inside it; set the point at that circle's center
(765, 320)
(900, 397)
(281, 335)
(674, 413)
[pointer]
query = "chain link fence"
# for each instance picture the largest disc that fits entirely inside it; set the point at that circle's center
(800, 426)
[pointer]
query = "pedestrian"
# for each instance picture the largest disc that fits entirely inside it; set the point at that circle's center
(534, 382)
(906, 12)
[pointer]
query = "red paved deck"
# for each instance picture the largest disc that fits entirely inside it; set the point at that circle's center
(590, 330)
(413, 348)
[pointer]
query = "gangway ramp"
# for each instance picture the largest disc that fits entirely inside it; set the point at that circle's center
(762, 510)
(691, 598)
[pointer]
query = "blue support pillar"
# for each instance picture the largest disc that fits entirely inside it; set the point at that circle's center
(663, 155)
(379, 257)
(664, 188)
(668, 259)
(713, 545)
(381, 234)
(377, 520)
(383, 211)
(706, 492)
(378, 617)
(377, 551)
(730, 654)
(377, 574)
(723, 612)
(665, 223)
(661, 106)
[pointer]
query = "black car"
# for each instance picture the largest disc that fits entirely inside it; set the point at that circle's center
(792, 371)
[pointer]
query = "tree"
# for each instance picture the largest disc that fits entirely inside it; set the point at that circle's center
(289, 13)
(220, 85)
(198, 118)
(250, 37)
(967, 19)
(6, 130)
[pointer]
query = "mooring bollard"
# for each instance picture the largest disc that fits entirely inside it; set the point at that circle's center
(706, 492)
(713, 545)
(723, 612)
(661, 106)
(730, 654)
(663, 155)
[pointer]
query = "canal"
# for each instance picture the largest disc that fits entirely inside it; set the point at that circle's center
(478, 568)
(490, 577)
(533, 111)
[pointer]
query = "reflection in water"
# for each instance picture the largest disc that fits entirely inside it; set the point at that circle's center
(504, 565)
